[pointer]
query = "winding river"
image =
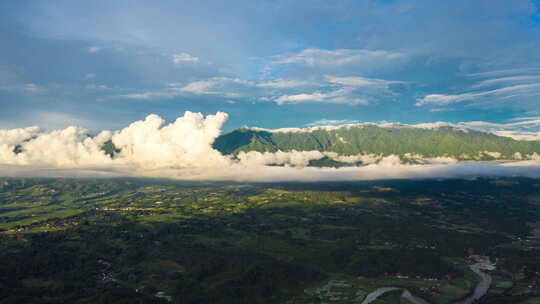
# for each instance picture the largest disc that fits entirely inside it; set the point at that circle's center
(479, 291)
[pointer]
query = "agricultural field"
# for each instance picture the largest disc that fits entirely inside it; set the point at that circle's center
(158, 241)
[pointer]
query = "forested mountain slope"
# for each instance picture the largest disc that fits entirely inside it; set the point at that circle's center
(373, 139)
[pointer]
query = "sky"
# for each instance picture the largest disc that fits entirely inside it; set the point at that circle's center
(272, 64)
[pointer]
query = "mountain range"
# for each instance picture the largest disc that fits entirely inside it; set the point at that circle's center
(403, 141)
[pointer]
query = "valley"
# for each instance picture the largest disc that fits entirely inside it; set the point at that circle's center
(158, 241)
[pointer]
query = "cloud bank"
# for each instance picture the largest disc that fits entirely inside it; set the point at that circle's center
(183, 150)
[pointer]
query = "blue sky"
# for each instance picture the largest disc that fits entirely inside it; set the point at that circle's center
(102, 64)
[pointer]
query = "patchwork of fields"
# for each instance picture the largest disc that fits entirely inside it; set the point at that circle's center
(153, 241)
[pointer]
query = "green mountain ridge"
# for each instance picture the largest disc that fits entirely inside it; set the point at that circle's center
(371, 139)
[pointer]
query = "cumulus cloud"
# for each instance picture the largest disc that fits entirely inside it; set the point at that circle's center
(144, 144)
(9, 139)
(183, 150)
(184, 143)
(68, 147)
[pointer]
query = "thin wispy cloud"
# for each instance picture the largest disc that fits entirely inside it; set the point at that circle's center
(314, 57)
(282, 63)
(183, 58)
(501, 93)
(27, 88)
(505, 72)
(326, 89)
(95, 49)
(98, 87)
(508, 80)
(339, 96)
(331, 122)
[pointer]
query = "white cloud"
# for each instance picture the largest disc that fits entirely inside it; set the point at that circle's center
(184, 143)
(294, 158)
(97, 87)
(185, 151)
(140, 96)
(314, 57)
(505, 92)
(90, 76)
(33, 88)
(498, 73)
(28, 88)
(332, 122)
(303, 97)
(199, 87)
(521, 121)
(516, 130)
(339, 96)
(70, 146)
(255, 173)
(13, 137)
(508, 80)
(95, 49)
(525, 118)
(215, 86)
(355, 81)
(519, 135)
(518, 85)
(351, 90)
(286, 83)
(184, 58)
(100, 48)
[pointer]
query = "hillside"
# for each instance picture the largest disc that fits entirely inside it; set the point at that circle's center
(372, 139)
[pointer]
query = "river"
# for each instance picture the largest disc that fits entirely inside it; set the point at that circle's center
(479, 291)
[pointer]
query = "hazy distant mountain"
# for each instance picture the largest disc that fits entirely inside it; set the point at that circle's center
(372, 139)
